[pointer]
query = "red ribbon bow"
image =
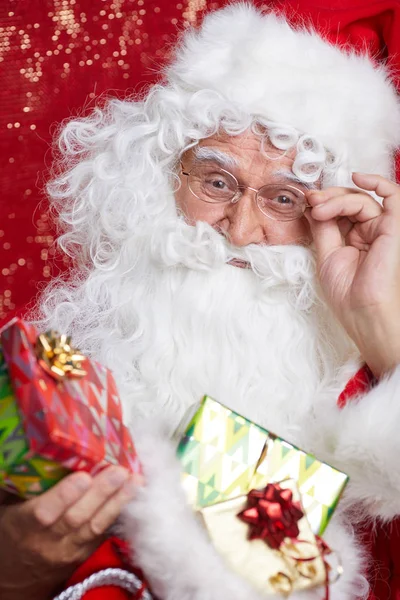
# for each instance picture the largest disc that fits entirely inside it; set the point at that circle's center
(272, 515)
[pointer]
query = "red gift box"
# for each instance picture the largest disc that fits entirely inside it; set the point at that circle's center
(75, 421)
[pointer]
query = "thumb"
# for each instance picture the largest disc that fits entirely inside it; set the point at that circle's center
(326, 236)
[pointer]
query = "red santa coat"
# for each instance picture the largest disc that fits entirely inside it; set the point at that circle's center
(111, 554)
(372, 26)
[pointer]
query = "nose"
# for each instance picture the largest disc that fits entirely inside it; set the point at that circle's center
(245, 223)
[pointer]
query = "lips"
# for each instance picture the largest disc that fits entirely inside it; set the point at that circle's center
(238, 262)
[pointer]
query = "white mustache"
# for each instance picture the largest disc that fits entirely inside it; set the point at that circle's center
(201, 247)
(289, 269)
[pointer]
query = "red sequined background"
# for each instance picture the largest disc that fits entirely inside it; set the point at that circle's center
(56, 56)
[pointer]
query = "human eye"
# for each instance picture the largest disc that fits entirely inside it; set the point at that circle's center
(284, 199)
(281, 201)
(217, 184)
(216, 181)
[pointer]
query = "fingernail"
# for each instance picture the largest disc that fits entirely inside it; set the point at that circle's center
(316, 195)
(82, 481)
(117, 476)
(364, 174)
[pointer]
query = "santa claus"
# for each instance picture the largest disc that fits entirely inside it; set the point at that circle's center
(235, 232)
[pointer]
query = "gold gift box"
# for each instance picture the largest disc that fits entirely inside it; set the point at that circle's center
(296, 565)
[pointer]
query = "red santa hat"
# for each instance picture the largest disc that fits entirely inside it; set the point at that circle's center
(293, 77)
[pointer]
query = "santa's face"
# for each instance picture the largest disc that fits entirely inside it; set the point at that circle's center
(174, 320)
(242, 222)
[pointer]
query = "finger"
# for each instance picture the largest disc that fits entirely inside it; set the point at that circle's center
(381, 186)
(326, 235)
(49, 507)
(108, 512)
(357, 207)
(319, 196)
(104, 486)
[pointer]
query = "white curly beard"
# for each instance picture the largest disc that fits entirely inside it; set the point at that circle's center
(181, 323)
(259, 340)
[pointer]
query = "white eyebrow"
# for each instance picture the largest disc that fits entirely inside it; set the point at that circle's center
(227, 161)
(292, 177)
(224, 160)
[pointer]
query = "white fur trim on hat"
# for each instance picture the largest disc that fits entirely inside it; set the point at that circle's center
(294, 77)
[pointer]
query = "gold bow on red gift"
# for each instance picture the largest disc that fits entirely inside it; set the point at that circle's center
(265, 537)
(57, 357)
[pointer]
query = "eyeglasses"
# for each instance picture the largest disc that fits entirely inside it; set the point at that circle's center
(277, 201)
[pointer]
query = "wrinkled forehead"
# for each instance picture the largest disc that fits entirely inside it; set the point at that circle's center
(242, 148)
(265, 147)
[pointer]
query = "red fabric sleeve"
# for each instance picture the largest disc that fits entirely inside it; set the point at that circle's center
(111, 554)
(362, 381)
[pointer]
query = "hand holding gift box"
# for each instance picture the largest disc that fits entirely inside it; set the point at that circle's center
(229, 464)
(59, 412)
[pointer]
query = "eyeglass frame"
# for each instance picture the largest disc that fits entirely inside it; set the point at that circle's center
(234, 200)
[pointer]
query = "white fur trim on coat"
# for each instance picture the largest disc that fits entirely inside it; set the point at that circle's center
(363, 439)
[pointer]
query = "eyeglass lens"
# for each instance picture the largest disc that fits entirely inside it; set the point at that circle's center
(279, 201)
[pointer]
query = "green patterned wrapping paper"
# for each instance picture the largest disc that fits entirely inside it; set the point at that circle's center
(12, 440)
(224, 455)
(20, 471)
(219, 452)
